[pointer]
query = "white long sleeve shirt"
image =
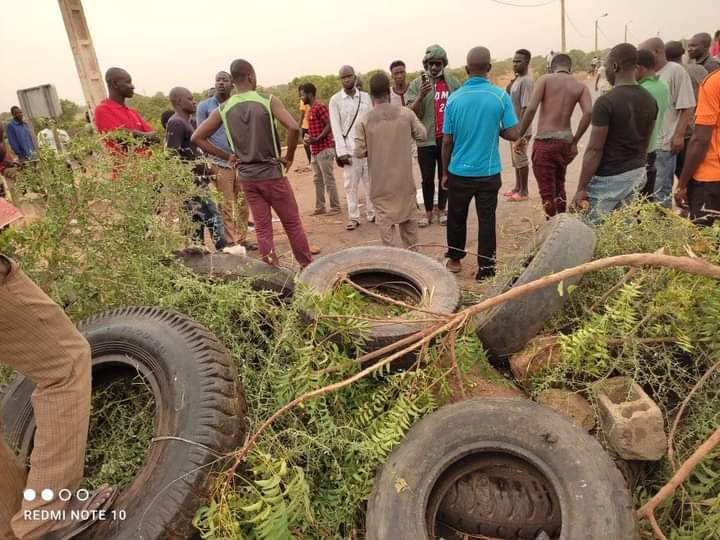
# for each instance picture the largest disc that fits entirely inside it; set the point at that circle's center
(342, 111)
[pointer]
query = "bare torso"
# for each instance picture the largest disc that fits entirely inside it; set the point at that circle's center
(561, 93)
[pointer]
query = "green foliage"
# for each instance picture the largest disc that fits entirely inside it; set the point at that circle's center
(661, 328)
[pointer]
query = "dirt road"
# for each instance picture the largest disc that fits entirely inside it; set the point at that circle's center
(515, 220)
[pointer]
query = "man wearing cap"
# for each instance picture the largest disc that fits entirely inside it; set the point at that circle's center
(427, 96)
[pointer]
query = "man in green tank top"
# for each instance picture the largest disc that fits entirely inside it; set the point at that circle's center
(249, 119)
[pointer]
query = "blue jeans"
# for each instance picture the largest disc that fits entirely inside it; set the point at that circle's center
(607, 193)
(204, 213)
(665, 165)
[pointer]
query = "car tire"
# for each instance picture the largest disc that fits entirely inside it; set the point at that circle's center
(198, 405)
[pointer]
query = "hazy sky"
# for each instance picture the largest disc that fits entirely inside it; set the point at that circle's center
(163, 43)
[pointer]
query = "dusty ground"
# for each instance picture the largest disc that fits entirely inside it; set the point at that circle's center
(515, 220)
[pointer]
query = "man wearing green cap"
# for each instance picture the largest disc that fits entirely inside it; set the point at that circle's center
(427, 97)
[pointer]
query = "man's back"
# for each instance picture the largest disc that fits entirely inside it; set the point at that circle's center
(561, 93)
(628, 111)
(389, 135)
(475, 115)
(252, 134)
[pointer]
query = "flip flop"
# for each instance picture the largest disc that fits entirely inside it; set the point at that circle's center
(352, 225)
(100, 499)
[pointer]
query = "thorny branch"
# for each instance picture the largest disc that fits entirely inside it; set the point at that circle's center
(417, 340)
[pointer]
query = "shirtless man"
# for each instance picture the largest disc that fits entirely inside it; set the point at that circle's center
(555, 145)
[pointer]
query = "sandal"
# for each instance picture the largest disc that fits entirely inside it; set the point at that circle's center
(516, 197)
(100, 500)
(423, 222)
(509, 193)
(352, 225)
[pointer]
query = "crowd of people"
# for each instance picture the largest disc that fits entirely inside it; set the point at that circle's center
(656, 118)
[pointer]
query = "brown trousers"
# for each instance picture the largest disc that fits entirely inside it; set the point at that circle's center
(38, 340)
(408, 232)
(233, 206)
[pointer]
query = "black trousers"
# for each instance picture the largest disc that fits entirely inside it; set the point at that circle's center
(461, 190)
(649, 187)
(204, 213)
(430, 159)
(704, 202)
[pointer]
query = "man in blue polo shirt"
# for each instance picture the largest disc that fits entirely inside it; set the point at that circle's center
(475, 117)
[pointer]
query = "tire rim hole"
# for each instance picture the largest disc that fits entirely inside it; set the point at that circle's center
(122, 424)
(493, 495)
(395, 286)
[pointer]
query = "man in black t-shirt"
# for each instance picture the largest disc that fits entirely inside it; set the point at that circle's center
(202, 209)
(613, 168)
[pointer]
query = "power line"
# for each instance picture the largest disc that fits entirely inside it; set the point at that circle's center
(603, 33)
(523, 5)
(577, 30)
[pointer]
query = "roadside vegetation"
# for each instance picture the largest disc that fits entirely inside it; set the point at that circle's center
(101, 243)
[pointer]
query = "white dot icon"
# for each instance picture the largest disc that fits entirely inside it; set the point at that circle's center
(47, 495)
(29, 494)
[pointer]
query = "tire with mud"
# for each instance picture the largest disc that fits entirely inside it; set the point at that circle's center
(502, 468)
(394, 271)
(563, 242)
(229, 267)
(199, 407)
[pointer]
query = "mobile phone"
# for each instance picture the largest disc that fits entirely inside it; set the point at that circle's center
(424, 77)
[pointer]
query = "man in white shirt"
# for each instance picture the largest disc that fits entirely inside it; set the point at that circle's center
(671, 134)
(346, 107)
(47, 140)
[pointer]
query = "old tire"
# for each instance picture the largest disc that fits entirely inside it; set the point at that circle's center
(229, 267)
(594, 503)
(563, 242)
(197, 399)
(381, 267)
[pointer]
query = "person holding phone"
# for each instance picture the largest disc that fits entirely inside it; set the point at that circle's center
(427, 96)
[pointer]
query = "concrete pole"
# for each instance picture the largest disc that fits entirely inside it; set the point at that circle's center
(562, 25)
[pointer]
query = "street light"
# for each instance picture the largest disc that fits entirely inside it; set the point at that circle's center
(596, 31)
(626, 27)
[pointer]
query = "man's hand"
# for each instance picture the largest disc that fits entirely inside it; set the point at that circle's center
(345, 159)
(232, 160)
(678, 144)
(308, 139)
(286, 161)
(681, 197)
(425, 88)
(580, 201)
(444, 181)
(573, 152)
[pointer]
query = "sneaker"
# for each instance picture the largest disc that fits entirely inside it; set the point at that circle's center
(516, 197)
(334, 211)
(352, 225)
(453, 266)
(237, 249)
(318, 211)
(423, 222)
(371, 219)
(443, 219)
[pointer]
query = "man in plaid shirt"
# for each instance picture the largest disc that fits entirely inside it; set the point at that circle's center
(322, 149)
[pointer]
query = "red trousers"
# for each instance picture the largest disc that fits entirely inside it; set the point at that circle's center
(550, 158)
(276, 194)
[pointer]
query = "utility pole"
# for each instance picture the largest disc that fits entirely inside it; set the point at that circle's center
(83, 51)
(596, 31)
(562, 25)
(626, 29)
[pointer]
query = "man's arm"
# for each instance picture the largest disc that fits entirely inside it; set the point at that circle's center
(447, 148)
(685, 103)
(12, 140)
(591, 162)
(336, 126)
(201, 114)
(678, 139)
(360, 150)
(293, 131)
(586, 108)
(203, 132)
(696, 151)
(416, 100)
(417, 129)
(529, 112)
(510, 127)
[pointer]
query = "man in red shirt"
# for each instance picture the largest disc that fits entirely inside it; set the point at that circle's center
(112, 114)
(322, 148)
